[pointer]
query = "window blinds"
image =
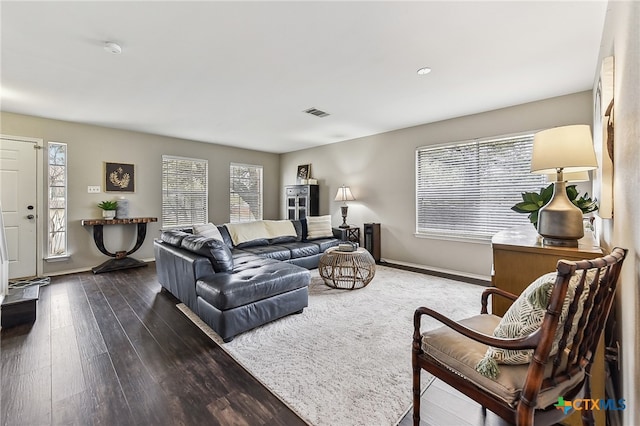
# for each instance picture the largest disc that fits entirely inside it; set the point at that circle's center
(185, 188)
(466, 190)
(245, 197)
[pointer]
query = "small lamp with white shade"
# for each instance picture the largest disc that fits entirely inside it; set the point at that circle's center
(344, 194)
(566, 149)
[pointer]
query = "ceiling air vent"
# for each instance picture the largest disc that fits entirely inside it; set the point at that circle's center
(316, 112)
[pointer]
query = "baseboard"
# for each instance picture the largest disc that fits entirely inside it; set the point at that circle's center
(439, 272)
(87, 269)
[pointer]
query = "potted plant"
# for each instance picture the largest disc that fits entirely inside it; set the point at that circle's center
(108, 209)
(533, 201)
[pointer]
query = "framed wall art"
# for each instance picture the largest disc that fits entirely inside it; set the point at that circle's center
(603, 121)
(304, 173)
(119, 177)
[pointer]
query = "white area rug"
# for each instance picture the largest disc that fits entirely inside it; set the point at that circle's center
(346, 360)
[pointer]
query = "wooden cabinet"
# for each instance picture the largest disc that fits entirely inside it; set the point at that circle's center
(302, 201)
(518, 259)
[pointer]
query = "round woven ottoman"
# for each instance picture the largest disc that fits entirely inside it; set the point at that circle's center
(347, 270)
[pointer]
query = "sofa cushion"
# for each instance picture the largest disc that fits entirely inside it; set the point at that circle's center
(326, 243)
(216, 251)
(173, 237)
(297, 224)
(299, 250)
(253, 279)
(271, 251)
(208, 230)
(319, 227)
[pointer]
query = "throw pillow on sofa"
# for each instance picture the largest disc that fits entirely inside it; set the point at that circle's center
(216, 251)
(525, 316)
(319, 227)
(208, 230)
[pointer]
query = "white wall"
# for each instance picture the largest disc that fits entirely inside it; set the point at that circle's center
(621, 38)
(381, 173)
(90, 146)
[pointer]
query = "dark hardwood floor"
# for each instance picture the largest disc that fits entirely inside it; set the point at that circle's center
(112, 349)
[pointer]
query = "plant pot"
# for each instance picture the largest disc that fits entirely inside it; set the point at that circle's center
(108, 214)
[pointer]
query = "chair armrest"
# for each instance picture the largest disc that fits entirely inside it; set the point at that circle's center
(494, 290)
(527, 342)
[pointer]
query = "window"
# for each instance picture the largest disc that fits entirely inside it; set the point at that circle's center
(57, 200)
(245, 193)
(185, 189)
(466, 190)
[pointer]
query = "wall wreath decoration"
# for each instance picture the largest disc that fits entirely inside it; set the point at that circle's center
(119, 177)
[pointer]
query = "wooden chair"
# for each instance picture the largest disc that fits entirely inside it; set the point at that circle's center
(528, 393)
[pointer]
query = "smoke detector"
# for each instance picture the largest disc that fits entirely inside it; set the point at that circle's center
(112, 47)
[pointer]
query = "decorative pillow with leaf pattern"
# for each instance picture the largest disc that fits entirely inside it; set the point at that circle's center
(524, 317)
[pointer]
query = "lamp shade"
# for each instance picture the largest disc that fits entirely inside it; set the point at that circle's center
(569, 148)
(570, 177)
(344, 194)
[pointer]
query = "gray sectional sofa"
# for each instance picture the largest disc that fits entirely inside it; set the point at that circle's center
(235, 284)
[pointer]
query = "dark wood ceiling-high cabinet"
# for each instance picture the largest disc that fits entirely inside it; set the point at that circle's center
(302, 201)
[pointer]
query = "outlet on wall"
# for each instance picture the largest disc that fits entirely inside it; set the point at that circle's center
(93, 189)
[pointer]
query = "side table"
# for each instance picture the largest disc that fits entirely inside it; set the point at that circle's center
(347, 270)
(120, 258)
(352, 234)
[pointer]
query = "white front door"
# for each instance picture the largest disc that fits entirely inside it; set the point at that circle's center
(18, 161)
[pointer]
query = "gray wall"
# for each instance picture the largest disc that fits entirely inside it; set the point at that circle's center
(621, 38)
(380, 170)
(90, 146)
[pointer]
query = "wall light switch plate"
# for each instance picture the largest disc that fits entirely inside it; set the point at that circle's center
(93, 189)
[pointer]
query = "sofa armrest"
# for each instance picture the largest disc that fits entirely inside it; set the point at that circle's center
(178, 271)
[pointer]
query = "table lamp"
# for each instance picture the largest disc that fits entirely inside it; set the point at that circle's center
(562, 150)
(344, 194)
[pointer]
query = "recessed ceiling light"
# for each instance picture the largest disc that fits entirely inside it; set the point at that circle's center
(424, 71)
(112, 47)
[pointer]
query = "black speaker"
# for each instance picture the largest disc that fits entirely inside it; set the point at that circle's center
(372, 239)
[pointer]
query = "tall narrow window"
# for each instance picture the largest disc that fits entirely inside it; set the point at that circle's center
(245, 193)
(466, 190)
(57, 199)
(185, 189)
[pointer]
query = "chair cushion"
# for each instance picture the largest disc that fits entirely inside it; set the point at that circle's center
(461, 354)
(216, 251)
(524, 317)
(319, 227)
(208, 230)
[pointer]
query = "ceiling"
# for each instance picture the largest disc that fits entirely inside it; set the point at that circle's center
(242, 73)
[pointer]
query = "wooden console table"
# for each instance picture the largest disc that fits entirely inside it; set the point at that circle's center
(120, 258)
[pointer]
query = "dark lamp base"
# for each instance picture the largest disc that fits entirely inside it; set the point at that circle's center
(556, 242)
